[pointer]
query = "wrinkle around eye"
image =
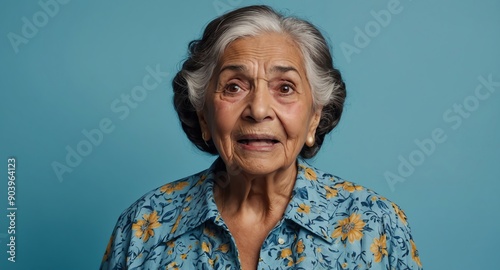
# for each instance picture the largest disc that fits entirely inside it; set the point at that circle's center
(284, 87)
(232, 88)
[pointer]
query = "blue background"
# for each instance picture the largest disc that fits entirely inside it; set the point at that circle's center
(400, 85)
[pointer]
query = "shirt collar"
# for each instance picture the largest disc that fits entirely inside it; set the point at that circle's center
(308, 206)
(199, 203)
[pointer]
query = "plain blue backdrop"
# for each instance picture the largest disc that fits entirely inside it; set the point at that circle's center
(421, 122)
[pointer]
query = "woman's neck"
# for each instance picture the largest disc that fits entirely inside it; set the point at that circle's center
(255, 199)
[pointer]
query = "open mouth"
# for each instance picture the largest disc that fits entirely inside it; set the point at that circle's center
(258, 141)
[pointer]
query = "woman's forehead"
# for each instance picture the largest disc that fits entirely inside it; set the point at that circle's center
(277, 51)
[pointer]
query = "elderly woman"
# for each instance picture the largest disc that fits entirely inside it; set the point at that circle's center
(259, 90)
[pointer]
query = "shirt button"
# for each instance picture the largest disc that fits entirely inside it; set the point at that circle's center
(281, 241)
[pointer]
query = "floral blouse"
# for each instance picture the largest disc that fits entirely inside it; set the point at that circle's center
(329, 223)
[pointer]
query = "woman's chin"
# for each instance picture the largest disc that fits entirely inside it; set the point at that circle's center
(259, 165)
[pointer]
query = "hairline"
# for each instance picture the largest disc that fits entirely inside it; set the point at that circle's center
(279, 25)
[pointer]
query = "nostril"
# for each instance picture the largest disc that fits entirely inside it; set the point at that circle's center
(249, 118)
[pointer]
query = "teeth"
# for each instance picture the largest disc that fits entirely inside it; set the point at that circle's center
(257, 141)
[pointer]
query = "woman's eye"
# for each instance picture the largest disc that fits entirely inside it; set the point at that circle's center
(286, 89)
(232, 88)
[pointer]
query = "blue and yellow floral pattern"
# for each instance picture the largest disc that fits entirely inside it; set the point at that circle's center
(329, 223)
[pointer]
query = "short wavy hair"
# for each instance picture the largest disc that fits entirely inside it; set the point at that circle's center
(191, 82)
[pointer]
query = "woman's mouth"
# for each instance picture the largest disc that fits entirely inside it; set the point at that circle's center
(257, 142)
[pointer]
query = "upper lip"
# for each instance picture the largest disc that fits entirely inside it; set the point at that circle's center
(257, 137)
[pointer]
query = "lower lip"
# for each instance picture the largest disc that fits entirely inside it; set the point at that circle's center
(257, 146)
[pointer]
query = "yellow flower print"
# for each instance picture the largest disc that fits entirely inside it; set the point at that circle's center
(171, 187)
(379, 248)
(205, 247)
(331, 192)
(176, 224)
(168, 188)
(172, 265)
(144, 227)
(224, 248)
(349, 186)
(400, 213)
(171, 244)
(414, 253)
(208, 232)
(108, 249)
(350, 228)
(300, 246)
(184, 256)
(200, 181)
(301, 259)
(285, 253)
(303, 208)
(374, 198)
(212, 262)
(310, 174)
(344, 265)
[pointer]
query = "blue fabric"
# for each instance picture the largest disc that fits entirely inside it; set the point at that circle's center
(329, 223)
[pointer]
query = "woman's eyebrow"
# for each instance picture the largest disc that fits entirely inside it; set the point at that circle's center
(238, 68)
(273, 69)
(283, 69)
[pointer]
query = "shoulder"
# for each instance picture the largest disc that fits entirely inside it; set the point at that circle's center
(165, 198)
(151, 220)
(359, 216)
(346, 196)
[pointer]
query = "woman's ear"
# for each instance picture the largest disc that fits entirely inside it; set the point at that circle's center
(205, 131)
(311, 133)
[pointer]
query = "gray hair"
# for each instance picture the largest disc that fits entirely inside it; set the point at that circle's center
(192, 81)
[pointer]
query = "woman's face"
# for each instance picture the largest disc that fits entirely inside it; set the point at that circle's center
(258, 108)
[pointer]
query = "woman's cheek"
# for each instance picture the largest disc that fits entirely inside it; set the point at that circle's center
(293, 120)
(224, 120)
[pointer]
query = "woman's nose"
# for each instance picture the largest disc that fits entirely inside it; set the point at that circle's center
(258, 105)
